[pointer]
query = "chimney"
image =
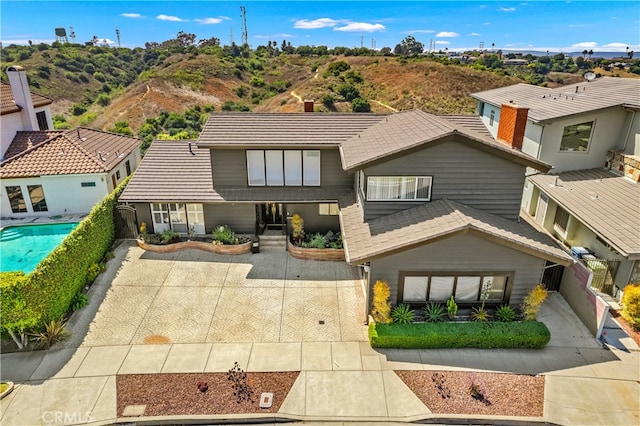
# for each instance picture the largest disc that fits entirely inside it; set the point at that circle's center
(513, 120)
(22, 96)
(308, 105)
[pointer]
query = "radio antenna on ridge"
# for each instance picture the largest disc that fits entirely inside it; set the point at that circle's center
(245, 35)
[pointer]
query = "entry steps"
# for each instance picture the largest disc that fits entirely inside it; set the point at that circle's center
(275, 242)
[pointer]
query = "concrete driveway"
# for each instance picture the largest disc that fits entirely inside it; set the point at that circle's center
(198, 297)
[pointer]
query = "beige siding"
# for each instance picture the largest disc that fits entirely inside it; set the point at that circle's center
(460, 173)
(462, 253)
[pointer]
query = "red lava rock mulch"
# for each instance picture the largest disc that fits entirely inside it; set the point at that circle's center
(506, 394)
(179, 394)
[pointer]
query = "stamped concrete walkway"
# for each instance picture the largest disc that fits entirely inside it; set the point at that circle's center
(339, 380)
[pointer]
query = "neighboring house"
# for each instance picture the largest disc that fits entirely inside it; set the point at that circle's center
(63, 172)
(20, 109)
(590, 134)
(428, 203)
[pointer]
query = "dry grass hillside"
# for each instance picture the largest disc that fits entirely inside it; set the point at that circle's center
(387, 83)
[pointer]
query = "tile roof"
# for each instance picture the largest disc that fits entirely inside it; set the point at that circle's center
(604, 202)
(8, 104)
(24, 140)
(169, 172)
(403, 131)
(547, 104)
(431, 221)
(283, 129)
(77, 151)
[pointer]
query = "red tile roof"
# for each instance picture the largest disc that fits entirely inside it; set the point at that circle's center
(77, 151)
(8, 105)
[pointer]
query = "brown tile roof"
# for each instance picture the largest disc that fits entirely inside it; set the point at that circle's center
(548, 104)
(604, 202)
(169, 172)
(279, 129)
(24, 140)
(431, 221)
(8, 105)
(399, 133)
(77, 151)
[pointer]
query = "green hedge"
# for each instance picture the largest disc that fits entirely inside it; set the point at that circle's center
(46, 293)
(484, 335)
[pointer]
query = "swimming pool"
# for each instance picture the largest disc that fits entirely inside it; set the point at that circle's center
(23, 247)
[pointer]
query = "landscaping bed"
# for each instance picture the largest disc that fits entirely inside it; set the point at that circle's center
(483, 335)
(448, 392)
(179, 394)
(199, 245)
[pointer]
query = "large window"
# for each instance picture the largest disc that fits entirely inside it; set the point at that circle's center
(393, 188)
(180, 217)
(36, 194)
(283, 167)
(16, 200)
(576, 137)
(42, 120)
(467, 288)
(561, 220)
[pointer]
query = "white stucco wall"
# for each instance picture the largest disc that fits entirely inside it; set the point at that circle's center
(63, 194)
(608, 133)
(134, 159)
(9, 125)
(486, 117)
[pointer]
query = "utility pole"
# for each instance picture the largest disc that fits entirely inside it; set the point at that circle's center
(118, 35)
(245, 34)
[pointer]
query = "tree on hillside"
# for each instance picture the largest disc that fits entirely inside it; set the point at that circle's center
(186, 39)
(409, 46)
(213, 41)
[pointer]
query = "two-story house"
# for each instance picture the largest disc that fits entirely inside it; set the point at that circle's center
(48, 172)
(590, 134)
(428, 203)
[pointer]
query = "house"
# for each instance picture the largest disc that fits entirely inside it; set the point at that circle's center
(49, 172)
(63, 172)
(20, 109)
(428, 203)
(590, 134)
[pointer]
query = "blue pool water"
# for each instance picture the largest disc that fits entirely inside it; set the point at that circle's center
(23, 247)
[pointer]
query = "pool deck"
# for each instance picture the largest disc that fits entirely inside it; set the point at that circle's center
(40, 220)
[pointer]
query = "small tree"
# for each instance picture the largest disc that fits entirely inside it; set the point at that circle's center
(381, 311)
(360, 105)
(532, 302)
(631, 304)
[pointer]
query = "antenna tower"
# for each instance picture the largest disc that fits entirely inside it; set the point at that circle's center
(230, 36)
(482, 45)
(72, 34)
(118, 35)
(245, 34)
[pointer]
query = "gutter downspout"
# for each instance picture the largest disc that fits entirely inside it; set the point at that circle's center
(626, 139)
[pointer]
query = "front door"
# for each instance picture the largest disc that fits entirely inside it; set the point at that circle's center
(271, 216)
(541, 210)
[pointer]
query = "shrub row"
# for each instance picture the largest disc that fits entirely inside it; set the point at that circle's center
(46, 293)
(483, 335)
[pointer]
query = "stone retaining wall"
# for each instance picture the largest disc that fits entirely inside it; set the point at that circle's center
(315, 254)
(199, 245)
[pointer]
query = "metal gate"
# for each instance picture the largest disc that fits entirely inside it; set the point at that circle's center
(552, 276)
(126, 222)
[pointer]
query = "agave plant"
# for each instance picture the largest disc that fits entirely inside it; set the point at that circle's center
(434, 312)
(403, 314)
(480, 314)
(505, 314)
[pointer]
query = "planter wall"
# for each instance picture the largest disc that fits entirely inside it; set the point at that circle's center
(199, 245)
(315, 254)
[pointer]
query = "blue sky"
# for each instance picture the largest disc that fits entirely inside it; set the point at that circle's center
(558, 26)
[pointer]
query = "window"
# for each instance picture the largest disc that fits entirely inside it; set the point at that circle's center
(87, 184)
(16, 200)
(392, 188)
(127, 166)
(160, 213)
(492, 117)
(328, 209)
(42, 120)
(178, 217)
(283, 168)
(467, 288)
(36, 194)
(561, 220)
(576, 137)
(118, 174)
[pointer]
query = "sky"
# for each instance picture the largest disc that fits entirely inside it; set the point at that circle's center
(557, 26)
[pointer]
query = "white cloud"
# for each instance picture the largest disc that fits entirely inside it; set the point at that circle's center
(274, 36)
(208, 21)
(618, 47)
(474, 34)
(507, 9)
(170, 18)
(131, 15)
(486, 23)
(361, 27)
(585, 45)
(443, 42)
(24, 42)
(305, 24)
(447, 34)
